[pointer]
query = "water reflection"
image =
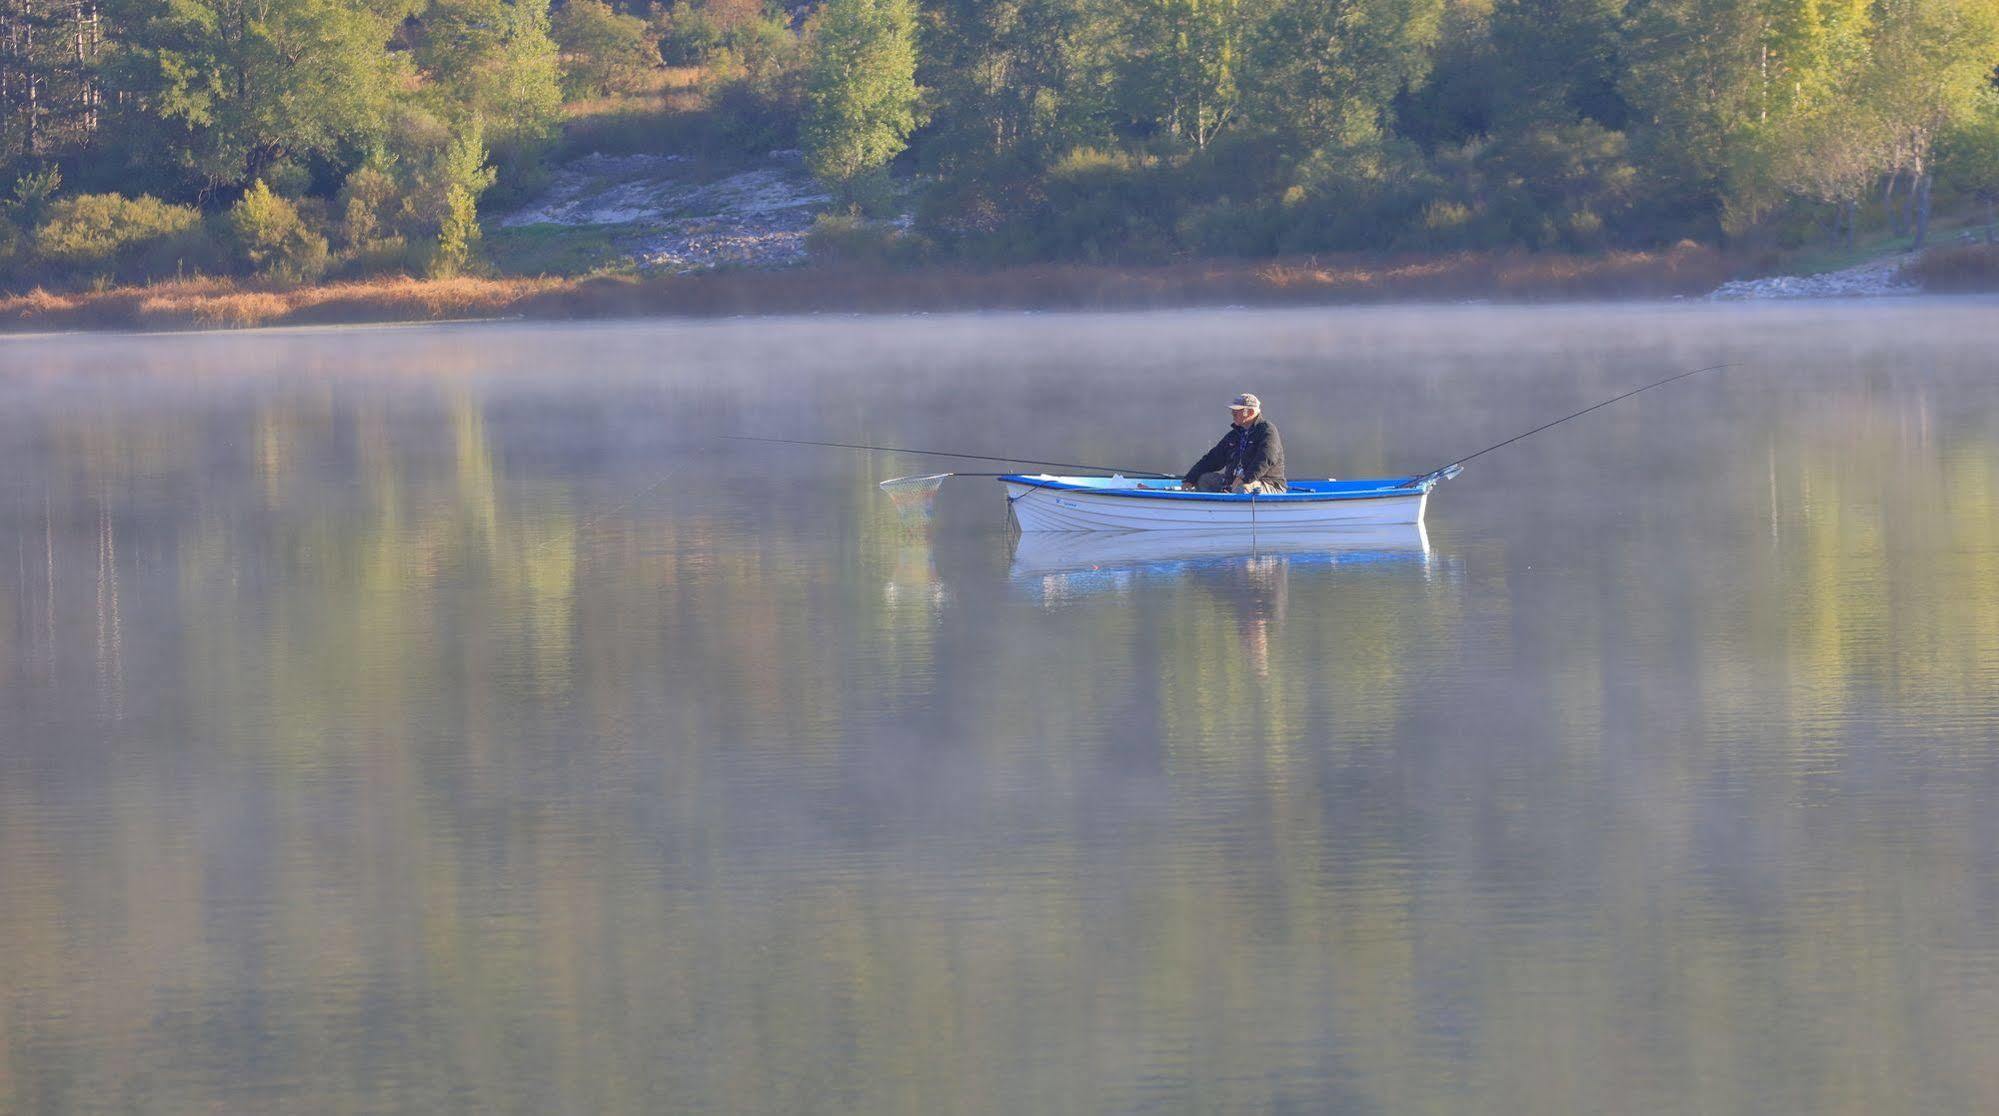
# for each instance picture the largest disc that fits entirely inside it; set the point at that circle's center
(1247, 573)
(493, 743)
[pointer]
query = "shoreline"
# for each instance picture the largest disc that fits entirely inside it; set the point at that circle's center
(1685, 272)
(210, 304)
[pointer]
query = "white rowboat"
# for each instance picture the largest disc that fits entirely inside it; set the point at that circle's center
(1041, 502)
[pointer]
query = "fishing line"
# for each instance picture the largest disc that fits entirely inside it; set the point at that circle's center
(964, 456)
(1420, 478)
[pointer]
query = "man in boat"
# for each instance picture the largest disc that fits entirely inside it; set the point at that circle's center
(1249, 458)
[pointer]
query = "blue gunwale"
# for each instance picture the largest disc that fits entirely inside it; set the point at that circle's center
(1299, 491)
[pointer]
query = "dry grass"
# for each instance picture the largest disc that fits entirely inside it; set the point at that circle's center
(219, 303)
(222, 304)
(669, 89)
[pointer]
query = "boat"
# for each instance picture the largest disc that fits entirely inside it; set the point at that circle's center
(1043, 502)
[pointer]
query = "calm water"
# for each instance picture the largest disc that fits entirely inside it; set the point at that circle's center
(443, 719)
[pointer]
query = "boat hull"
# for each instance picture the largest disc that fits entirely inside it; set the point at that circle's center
(1049, 504)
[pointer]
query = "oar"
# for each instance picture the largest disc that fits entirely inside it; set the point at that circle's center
(1453, 468)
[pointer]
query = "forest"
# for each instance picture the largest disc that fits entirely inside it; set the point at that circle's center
(296, 140)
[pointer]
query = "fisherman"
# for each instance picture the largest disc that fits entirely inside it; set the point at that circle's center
(1249, 458)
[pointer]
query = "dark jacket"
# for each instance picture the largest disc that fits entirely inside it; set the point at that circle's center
(1253, 453)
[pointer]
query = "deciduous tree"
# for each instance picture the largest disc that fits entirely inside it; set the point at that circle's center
(861, 92)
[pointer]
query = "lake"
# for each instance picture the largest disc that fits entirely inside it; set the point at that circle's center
(450, 719)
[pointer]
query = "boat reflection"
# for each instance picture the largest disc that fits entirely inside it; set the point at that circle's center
(1251, 572)
(1113, 557)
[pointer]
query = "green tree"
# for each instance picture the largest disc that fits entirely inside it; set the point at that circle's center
(1810, 137)
(1554, 62)
(494, 59)
(861, 93)
(1970, 158)
(1929, 66)
(237, 84)
(31, 196)
(1179, 65)
(457, 179)
(1014, 80)
(1326, 71)
(603, 50)
(1691, 76)
(1727, 96)
(51, 90)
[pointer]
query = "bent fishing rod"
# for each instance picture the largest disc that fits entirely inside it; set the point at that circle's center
(942, 453)
(1451, 469)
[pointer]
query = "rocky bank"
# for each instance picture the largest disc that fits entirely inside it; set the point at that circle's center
(671, 214)
(1874, 278)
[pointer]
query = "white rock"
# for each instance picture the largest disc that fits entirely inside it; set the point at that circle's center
(1872, 279)
(669, 220)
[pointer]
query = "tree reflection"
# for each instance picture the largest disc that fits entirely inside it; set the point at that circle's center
(355, 757)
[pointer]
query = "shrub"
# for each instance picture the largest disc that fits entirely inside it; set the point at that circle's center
(1446, 225)
(1227, 229)
(455, 233)
(687, 36)
(603, 50)
(288, 178)
(364, 203)
(846, 238)
(32, 192)
(1104, 206)
(1368, 195)
(11, 242)
(387, 255)
(752, 118)
(267, 232)
(463, 175)
(110, 235)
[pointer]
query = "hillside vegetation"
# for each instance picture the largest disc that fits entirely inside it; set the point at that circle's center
(291, 142)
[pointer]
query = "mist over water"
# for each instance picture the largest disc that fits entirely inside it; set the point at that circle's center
(448, 719)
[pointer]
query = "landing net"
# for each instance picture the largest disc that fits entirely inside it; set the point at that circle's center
(914, 496)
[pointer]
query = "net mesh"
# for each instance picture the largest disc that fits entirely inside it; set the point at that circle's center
(914, 496)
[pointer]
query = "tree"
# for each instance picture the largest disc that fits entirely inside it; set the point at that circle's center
(1832, 154)
(1729, 96)
(1179, 67)
(1016, 81)
(861, 92)
(1326, 71)
(458, 177)
(1970, 157)
(1691, 77)
(237, 84)
(496, 60)
(1554, 62)
(602, 50)
(1929, 65)
(1811, 137)
(50, 87)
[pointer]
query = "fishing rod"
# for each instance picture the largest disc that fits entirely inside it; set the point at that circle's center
(941, 453)
(1450, 468)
